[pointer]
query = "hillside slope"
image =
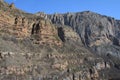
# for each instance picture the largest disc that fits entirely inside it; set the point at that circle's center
(57, 47)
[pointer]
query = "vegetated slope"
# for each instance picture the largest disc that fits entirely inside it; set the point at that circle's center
(33, 48)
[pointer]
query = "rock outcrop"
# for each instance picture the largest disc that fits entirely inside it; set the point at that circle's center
(70, 34)
(20, 29)
(45, 33)
(94, 29)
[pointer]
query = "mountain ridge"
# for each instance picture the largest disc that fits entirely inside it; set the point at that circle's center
(81, 46)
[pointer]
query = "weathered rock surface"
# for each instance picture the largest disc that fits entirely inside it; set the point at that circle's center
(45, 33)
(96, 31)
(33, 48)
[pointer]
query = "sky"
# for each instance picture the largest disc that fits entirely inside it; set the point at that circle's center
(104, 7)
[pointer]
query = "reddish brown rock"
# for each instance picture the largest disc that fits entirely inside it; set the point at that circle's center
(44, 32)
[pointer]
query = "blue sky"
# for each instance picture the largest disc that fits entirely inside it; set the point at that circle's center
(105, 7)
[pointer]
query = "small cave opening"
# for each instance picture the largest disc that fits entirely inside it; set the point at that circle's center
(35, 28)
(61, 34)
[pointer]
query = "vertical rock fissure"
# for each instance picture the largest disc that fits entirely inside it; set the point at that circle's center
(61, 34)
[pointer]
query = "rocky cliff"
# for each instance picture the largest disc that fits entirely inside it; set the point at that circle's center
(71, 46)
(98, 32)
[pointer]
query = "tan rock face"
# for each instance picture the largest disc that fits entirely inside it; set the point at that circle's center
(5, 18)
(71, 35)
(44, 32)
(15, 26)
(20, 27)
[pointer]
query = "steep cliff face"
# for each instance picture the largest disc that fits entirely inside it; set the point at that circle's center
(96, 31)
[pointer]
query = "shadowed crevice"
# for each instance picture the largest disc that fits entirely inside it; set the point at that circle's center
(61, 34)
